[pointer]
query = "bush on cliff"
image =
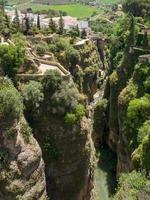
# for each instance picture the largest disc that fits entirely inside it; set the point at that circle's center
(75, 116)
(11, 104)
(11, 58)
(138, 112)
(51, 81)
(32, 93)
(133, 186)
(100, 115)
(141, 156)
(65, 99)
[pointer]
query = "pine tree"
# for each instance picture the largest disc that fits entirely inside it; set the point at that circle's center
(61, 25)
(38, 22)
(78, 31)
(52, 25)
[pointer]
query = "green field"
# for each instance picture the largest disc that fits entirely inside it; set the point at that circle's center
(51, 1)
(75, 10)
(109, 1)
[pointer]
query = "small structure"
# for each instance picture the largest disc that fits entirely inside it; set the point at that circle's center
(81, 43)
(84, 25)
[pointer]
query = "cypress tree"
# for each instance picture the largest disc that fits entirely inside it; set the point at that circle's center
(52, 25)
(145, 40)
(16, 20)
(61, 25)
(38, 22)
(27, 24)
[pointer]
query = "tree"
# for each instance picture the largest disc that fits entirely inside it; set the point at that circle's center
(74, 32)
(51, 81)
(11, 57)
(72, 56)
(4, 25)
(11, 104)
(61, 25)
(38, 22)
(27, 24)
(52, 25)
(16, 20)
(65, 99)
(32, 93)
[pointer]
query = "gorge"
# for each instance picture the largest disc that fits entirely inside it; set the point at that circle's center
(75, 107)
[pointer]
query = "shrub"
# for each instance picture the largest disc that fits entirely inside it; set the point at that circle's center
(144, 131)
(3, 158)
(70, 118)
(65, 99)
(41, 48)
(51, 151)
(32, 93)
(51, 81)
(72, 56)
(11, 58)
(137, 113)
(10, 133)
(26, 132)
(131, 185)
(11, 104)
(75, 116)
(147, 85)
(100, 110)
(114, 78)
(141, 156)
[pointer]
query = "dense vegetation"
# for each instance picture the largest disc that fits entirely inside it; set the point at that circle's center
(137, 7)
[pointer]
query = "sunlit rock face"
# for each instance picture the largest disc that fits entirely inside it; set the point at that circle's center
(21, 165)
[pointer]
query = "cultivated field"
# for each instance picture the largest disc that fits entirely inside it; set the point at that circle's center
(75, 10)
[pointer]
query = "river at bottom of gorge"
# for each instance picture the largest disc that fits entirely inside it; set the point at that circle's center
(105, 173)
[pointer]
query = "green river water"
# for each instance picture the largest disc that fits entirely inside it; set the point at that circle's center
(105, 174)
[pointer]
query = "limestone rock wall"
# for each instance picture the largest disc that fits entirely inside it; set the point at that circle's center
(22, 174)
(70, 171)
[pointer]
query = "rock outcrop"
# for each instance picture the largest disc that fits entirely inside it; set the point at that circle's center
(69, 159)
(21, 164)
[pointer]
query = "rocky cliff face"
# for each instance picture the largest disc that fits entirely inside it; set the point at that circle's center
(21, 164)
(69, 157)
